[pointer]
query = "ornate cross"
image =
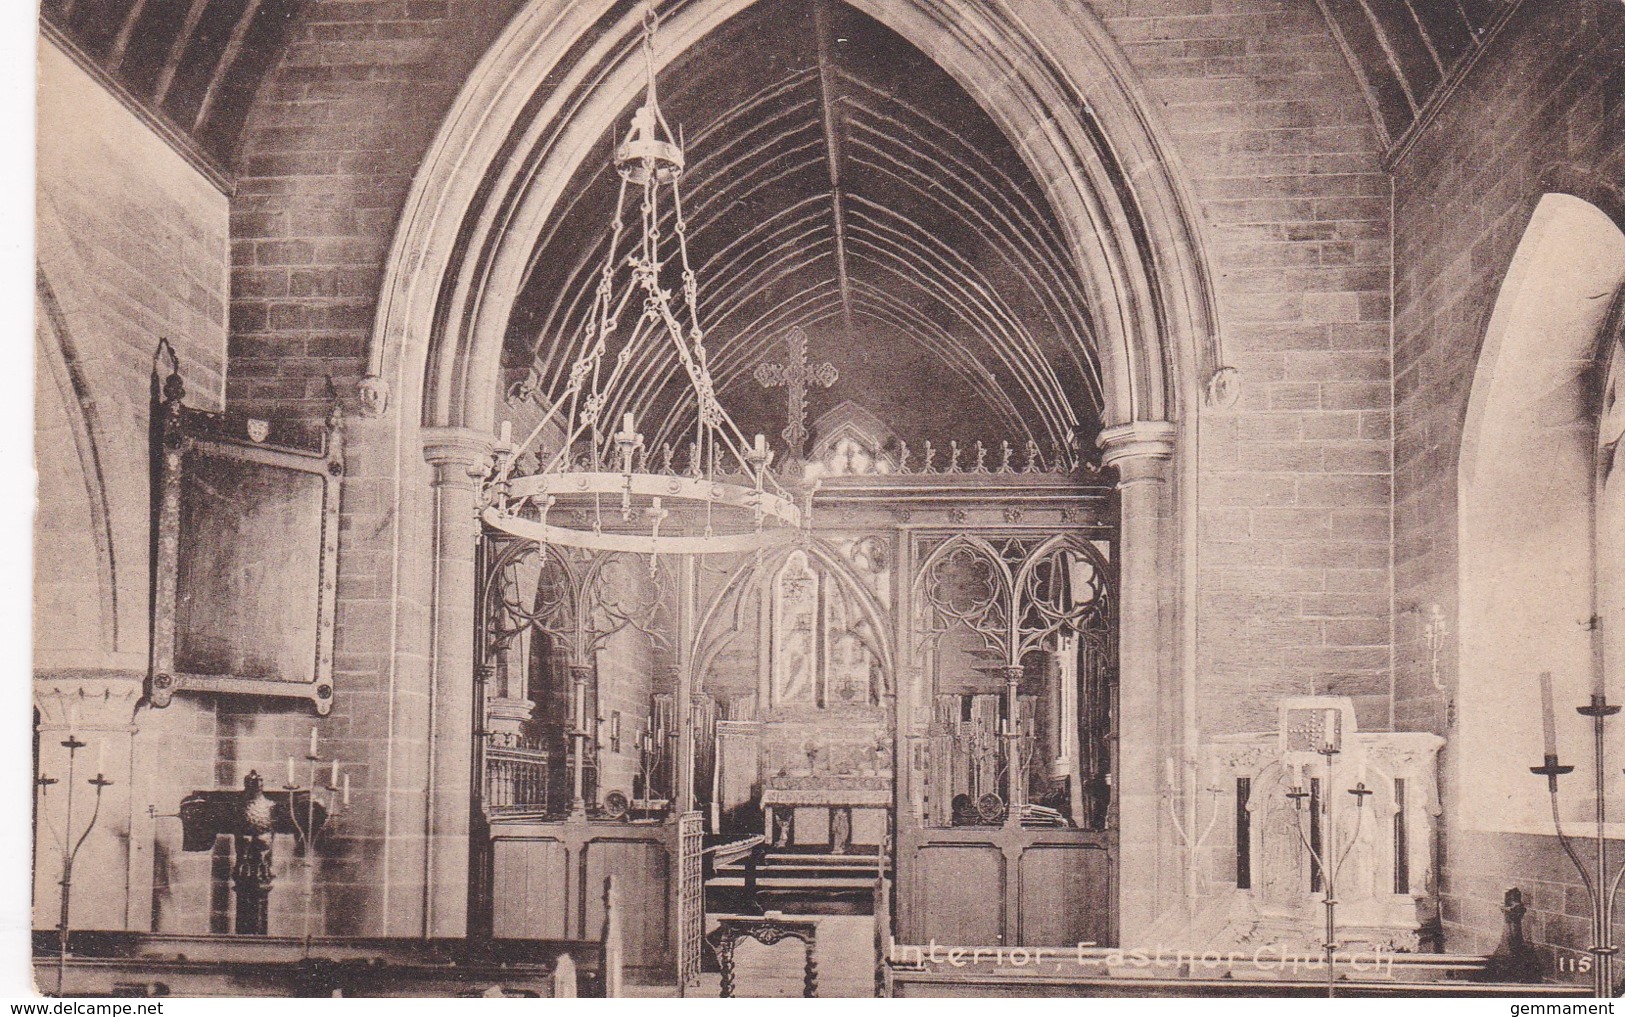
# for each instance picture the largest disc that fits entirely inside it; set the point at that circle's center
(795, 376)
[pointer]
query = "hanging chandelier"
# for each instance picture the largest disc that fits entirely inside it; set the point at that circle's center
(604, 489)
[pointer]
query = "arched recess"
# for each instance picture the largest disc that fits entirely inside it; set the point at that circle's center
(65, 396)
(1529, 489)
(1046, 72)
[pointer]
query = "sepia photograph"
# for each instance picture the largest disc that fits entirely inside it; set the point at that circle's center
(821, 498)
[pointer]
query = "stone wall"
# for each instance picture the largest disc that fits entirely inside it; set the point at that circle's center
(131, 248)
(1278, 148)
(1541, 112)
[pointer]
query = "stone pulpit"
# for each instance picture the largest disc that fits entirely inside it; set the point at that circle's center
(1289, 802)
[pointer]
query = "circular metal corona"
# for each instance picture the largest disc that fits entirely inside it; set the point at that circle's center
(639, 158)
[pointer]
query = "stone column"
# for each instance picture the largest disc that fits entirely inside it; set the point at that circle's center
(1140, 452)
(460, 458)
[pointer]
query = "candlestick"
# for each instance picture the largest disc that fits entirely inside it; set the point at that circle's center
(1548, 715)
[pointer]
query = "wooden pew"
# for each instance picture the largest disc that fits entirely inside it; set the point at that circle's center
(916, 971)
(140, 964)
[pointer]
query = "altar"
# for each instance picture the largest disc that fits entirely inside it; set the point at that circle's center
(854, 809)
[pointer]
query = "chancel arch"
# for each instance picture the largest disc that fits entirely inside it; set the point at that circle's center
(1539, 593)
(506, 171)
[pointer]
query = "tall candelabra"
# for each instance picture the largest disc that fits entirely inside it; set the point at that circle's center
(309, 826)
(69, 854)
(1327, 859)
(1600, 890)
(1193, 847)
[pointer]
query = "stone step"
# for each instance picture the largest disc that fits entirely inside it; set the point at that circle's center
(773, 881)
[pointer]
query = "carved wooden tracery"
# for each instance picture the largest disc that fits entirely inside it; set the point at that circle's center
(546, 614)
(1016, 596)
(1031, 614)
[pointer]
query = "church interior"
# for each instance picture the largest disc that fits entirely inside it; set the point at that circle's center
(750, 497)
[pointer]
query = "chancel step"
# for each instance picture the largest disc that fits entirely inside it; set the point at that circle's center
(809, 882)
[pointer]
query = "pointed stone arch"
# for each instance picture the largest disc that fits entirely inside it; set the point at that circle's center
(1045, 71)
(1527, 512)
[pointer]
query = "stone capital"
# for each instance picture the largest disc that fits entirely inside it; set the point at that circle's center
(1142, 438)
(460, 455)
(1138, 450)
(87, 700)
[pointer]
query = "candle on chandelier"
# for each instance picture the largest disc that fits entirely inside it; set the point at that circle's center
(290, 772)
(101, 758)
(313, 742)
(628, 425)
(761, 444)
(333, 778)
(1548, 715)
(346, 789)
(73, 718)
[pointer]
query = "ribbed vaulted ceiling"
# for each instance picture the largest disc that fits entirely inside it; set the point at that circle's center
(195, 62)
(839, 181)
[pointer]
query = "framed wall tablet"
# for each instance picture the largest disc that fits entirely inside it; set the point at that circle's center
(245, 521)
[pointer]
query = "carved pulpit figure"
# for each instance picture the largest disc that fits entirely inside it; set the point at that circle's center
(252, 818)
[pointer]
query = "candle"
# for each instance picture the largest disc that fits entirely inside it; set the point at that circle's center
(313, 742)
(627, 424)
(73, 718)
(333, 779)
(290, 771)
(761, 444)
(346, 789)
(1548, 716)
(506, 434)
(1598, 676)
(1331, 730)
(1168, 770)
(101, 758)
(1361, 778)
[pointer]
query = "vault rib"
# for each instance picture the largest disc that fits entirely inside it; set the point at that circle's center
(829, 95)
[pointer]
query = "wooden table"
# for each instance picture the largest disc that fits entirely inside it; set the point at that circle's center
(767, 931)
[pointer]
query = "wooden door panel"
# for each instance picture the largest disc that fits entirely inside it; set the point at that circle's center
(959, 894)
(1065, 895)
